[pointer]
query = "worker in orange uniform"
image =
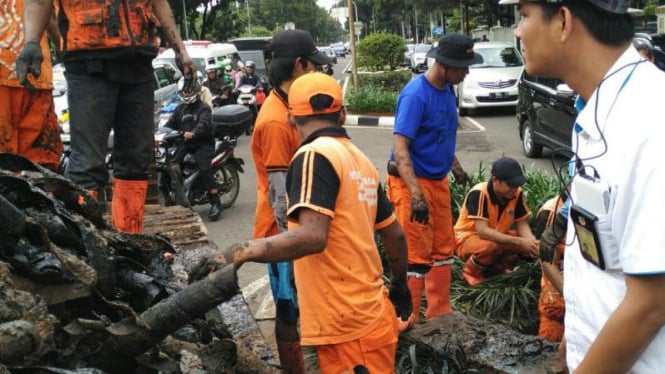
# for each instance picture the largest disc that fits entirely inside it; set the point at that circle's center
(551, 305)
(486, 241)
(28, 123)
(273, 144)
(336, 202)
(107, 49)
(423, 156)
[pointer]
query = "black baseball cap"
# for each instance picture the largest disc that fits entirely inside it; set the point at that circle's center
(455, 51)
(297, 43)
(612, 6)
(508, 170)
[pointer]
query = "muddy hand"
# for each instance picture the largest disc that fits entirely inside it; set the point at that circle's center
(186, 64)
(29, 61)
(207, 265)
(400, 296)
(419, 210)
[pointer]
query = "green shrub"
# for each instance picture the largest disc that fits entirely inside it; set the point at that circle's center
(371, 99)
(389, 80)
(378, 51)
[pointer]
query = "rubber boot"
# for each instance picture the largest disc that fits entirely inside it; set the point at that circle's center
(215, 207)
(127, 205)
(416, 285)
(290, 356)
(473, 272)
(437, 291)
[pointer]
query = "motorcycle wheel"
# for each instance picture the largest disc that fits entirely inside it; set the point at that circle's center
(228, 183)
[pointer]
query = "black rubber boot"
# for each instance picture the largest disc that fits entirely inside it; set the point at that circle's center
(215, 207)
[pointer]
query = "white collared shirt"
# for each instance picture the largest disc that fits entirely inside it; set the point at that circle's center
(632, 121)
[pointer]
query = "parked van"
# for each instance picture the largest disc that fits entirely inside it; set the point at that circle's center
(204, 53)
(255, 49)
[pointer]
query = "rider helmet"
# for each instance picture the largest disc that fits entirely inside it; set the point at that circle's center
(228, 68)
(189, 90)
(211, 68)
(643, 45)
(250, 64)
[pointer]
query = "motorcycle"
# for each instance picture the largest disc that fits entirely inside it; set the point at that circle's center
(247, 96)
(179, 182)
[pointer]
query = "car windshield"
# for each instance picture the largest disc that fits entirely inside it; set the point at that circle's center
(423, 48)
(498, 57)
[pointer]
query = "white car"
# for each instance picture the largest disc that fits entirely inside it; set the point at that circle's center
(419, 57)
(492, 83)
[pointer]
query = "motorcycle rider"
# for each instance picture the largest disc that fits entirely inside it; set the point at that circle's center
(250, 76)
(214, 83)
(192, 117)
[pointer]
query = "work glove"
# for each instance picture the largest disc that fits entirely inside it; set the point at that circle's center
(29, 61)
(551, 237)
(400, 296)
(419, 210)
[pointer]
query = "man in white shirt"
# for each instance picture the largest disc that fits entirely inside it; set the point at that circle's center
(614, 314)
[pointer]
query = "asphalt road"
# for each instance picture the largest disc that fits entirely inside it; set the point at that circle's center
(485, 136)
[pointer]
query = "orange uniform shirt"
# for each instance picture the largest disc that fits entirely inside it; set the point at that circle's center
(486, 207)
(273, 144)
(340, 290)
(12, 40)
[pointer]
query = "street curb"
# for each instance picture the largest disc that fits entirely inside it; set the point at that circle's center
(360, 120)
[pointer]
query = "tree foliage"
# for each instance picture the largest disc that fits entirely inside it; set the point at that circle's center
(378, 51)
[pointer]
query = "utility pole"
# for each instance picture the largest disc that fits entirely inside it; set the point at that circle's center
(184, 17)
(352, 41)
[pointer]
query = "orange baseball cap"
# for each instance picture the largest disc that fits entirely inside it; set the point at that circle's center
(309, 85)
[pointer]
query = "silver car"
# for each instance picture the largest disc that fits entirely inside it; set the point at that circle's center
(492, 83)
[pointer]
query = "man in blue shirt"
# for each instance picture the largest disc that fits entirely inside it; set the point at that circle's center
(423, 155)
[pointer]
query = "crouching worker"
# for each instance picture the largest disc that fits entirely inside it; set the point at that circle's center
(345, 309)
(192, 117)
(486, 239)
(550, 228)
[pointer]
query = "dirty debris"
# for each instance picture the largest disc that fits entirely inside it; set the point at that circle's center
(79, 297)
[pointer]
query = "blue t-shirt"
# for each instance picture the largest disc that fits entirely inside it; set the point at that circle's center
(428, 116)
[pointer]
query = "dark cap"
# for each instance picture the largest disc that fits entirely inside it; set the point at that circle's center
(508, 170)
(612, 6)
(455, 51)
(297, 43)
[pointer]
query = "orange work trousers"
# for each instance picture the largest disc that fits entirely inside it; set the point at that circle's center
(375, 351)
(29, 126)
(434, 241)
(551, 307)
(490, 255)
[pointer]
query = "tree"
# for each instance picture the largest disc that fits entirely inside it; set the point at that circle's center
(376, 51)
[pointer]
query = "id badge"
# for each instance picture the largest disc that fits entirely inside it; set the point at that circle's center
(585, 224)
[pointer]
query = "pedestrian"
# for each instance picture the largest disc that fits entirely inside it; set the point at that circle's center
(193, 118)
(423, 155)
(28, 122)
(486, 241)
(274, 142)
(346, 310)
(108, 47)
(615, 310)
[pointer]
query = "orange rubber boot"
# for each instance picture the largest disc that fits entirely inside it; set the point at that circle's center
(127, 205)
(416, 286)
(472, 272)
(290, 356)
(437, 291)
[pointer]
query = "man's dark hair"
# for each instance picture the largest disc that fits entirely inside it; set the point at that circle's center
(608, 28)
(280, 70)
(329, 117)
